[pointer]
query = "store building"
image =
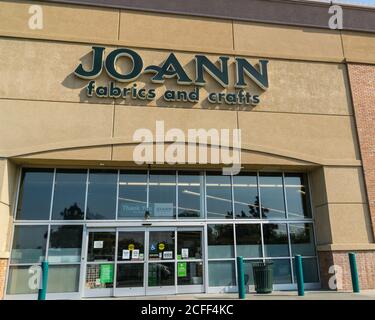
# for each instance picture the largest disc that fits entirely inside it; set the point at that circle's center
(73, 94)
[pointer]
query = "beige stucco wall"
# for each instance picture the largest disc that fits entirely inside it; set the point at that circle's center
(8, 177)
(341, 208)
(124, 27)
(304, 121)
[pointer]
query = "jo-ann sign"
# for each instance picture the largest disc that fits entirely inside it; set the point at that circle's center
(171, 68)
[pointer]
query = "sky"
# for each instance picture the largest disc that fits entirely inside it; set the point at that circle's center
(360, 2)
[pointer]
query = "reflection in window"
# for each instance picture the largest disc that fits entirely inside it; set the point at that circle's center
(131, 246)
(220, 241)
(18, 281)
(35, 194)
(296, 196)
(281, 271)
(302, 239)
(272, 195)
(69, 195)
(275, 240)
(64, 278)
(162, 194)
(310, 270)
(132, 201)
(102, 193)
(101, 246)
(29, 244)
(99, 276)
(130, 275)
(189, 273)
(189, 195)
(245, 193)
(221, 273)
(161, 245)
(189, 245)
(161, 274)
(219, 196)
(248, 271)
(65, 244)
(248, 240)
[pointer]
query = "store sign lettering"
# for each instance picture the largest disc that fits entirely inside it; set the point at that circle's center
(172, 68)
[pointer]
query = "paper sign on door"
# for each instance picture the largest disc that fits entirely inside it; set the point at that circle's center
(135, 254)
(98, 244)
(167, 255)
(185, 253)
(125, 254)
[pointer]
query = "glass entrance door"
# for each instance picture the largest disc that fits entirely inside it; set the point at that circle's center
(131, 268)
(100, 263)
(190, 263)
(144, 261)
(161, 261)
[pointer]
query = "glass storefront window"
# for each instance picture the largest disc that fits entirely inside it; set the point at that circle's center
(161, 274)
(189, 194)
(101, 246)
(69, 195)
(63, 278)
(221, 273)
(131, 246)
(220, 241)
(161, 245)
(281, 271)
(102, 195)
(302, 239)
(248, 240)
(272, 195)
(99, 276)
(35, 194)
(189, 245)
(130, 275)
(218, 196)
(297, 196)
(65, 244)
(310, 270)
(275, 240)
(162, 194)
(18, 281)
(29, 244)
(245, 194)
(189, 273)
(142, 194)
(132, 201)
(248, 271)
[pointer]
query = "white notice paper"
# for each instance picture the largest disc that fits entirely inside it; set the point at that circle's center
(125, 254)
(167, 255)
(185, 253)
(98, 244)
(135, 254)
(163, 209)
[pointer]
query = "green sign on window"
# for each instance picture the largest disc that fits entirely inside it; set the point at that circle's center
(181, 269)
(106, 273)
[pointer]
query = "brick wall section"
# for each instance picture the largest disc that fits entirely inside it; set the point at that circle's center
(3, 268)
(362, 82)
(365, 267)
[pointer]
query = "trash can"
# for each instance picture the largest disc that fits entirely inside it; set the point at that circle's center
(263, 277)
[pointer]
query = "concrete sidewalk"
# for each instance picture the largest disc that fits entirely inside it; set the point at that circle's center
(277, 295)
